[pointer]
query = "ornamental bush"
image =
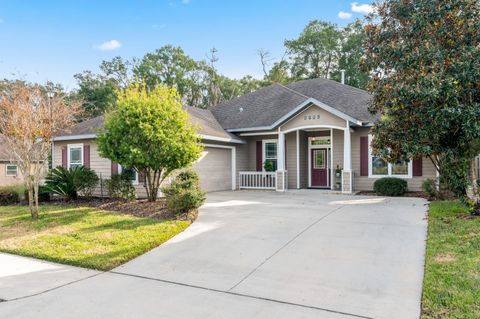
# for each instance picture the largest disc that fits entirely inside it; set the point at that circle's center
(429, 189)
(69, 183)
(390, 186)
(184, 194)
(8, 196)
(120, 186)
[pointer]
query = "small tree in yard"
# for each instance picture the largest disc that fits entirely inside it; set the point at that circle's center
(424, 58)
(29, 120)
(150, 132)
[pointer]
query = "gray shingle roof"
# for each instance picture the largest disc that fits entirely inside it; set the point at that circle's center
(266, 106)
(207, 123)
(257, 109)
(347, 99)
(87, 127)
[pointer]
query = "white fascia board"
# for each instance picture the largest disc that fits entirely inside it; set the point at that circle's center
(74, 137)
(220, 139)
(296, 110)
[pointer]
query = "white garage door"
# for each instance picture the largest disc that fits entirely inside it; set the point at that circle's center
(215, 169)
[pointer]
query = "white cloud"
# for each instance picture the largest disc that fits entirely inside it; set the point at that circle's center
(186, 1)
(1, 20)
(109, 45)
(362, 8)
(344, 15)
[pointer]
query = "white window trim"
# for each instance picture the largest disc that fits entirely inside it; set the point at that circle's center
(16, 170)
(390, 165)
(264, 151)
(69, 147)
(135, 181)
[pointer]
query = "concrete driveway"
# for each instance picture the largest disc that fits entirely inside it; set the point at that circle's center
(301, 254)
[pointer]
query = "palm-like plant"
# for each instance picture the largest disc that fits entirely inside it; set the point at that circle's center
(69, 183)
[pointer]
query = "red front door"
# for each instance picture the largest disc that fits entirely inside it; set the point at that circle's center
(319, 168)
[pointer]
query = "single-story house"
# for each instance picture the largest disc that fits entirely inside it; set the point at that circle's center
(311, 134)
(9, 172)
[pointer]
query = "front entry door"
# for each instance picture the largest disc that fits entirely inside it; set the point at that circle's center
(319, 168)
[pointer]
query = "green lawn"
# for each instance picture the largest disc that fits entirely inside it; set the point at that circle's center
(82, 236)
(452, 272)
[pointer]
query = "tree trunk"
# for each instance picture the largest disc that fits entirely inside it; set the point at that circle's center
(153, 184)
(35, 192)
(33, 209)
(472, 188)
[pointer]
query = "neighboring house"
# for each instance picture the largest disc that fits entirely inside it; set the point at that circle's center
(307, 132)
(9, 172)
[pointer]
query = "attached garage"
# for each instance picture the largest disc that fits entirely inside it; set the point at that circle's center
(215, 168)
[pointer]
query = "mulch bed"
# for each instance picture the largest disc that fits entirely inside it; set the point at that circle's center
(407, 194)
(139, 208)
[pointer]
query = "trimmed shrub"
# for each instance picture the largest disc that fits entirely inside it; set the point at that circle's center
(43, 194)
(184, 194)
(390, 186)
(120, 186)
(72, 182)
(429, 188)
(8, 196)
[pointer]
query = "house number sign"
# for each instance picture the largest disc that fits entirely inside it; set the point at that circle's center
(311, 117)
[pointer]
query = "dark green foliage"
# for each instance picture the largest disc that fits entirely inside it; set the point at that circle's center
(390, 186)
(184, 194)
(429, 188)
(423, 55)
(268, 166)
(72, 182)
(120, 186)
(43, 194)
(8, 196)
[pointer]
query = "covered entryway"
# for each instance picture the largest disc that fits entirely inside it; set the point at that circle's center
(215, 168)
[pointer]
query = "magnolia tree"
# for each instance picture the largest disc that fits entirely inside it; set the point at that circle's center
(29, 120)
(424, 59)
(150, 132)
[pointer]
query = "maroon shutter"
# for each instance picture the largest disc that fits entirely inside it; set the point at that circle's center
(64, 157)
(259, 156)
(114, 168)
(363, 155)
(86, 155)
(417, 167)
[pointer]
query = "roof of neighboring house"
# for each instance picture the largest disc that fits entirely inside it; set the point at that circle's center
(209, 128)
(268, 105)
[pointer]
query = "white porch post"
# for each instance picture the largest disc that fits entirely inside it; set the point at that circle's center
(281, 162)
(298, 159)
(347, 173)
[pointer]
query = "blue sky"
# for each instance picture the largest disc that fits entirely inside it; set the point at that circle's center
(53, 40)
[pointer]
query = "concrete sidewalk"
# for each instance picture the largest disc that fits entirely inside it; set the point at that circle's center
(21, 277)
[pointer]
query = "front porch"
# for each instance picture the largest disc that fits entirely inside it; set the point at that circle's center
(313, 157)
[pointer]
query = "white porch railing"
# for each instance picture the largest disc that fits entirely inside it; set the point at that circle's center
(258, 180)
